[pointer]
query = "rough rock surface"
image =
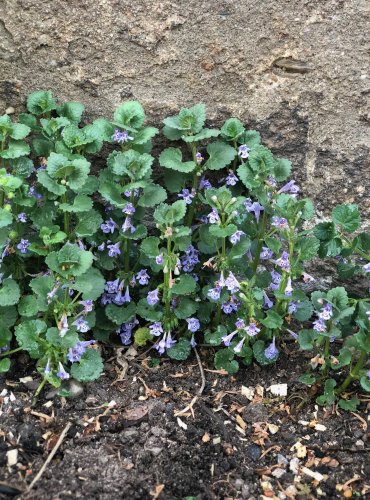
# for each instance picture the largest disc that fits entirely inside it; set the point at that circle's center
(298, 70)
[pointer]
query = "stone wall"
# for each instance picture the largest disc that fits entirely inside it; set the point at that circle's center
(297, 70)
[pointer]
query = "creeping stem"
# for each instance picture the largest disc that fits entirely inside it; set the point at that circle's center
(190, 215)
(353, 374)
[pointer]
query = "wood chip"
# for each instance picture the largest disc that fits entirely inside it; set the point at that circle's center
(279, 389)
(273, 429)
(248, 392)
(300, 449)
(12, 457)
(241, 422)
(157, 491)
(206, 438)
(182, 424)
(315, 475)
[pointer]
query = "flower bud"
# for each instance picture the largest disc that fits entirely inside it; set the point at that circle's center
(7, 207)
(233, 200)
(13, 235)
(63, 181)
(56, 203)
(10, 196)
(214, 198)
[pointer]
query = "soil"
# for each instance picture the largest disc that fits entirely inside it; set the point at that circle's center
(125, 440)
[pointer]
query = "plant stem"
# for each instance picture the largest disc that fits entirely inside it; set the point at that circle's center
(353, 374)
(38, 390)
(190, 215)
(261, 234)
(6, 353)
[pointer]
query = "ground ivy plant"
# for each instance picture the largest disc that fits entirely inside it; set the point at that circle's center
(202, 244)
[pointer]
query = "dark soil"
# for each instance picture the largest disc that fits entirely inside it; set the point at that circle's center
(138, 449)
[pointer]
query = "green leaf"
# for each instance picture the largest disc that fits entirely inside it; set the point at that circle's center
(273, 244)
(308, 247)
(69, 340)
(365, 383)
(70, 260)
(249, 178)
(153, 195)
(40, 102)
(206, 133)
(15, 149)
(349, 404)
(131, 163)
(120, 314)
(347, 216)
(144, 135)
(306, 339)
(28, 120)
(186, 308)
(19, 131)
(4, 365)
(5, 335)
(8, 316)
(330, 248)
(22, 166)
(172, 158)
(215, 337)
(71, 110)
(28, 306)
(169, 214)
(261, 160)
(240, 249)
(88, 223)
(9, 292)
(272, 320)
(307, 379)
(91, 284)
(251, 138)
(304, 311)
(184, 285)
(81, 203)
(338, 296)
(129, 116)
(324, 231)
(180, 350)
(328, 397)
(344, 358)
(223, 360)
(232, 129)
(150, 246)
(147, 312)
(259, 353)
(50, 184)
(112, 194)
(191, 119)
(6, 218)
(282, 169)
(220, 155)
(89, 368)
(142, 336)
(222, 232)
(27, 334)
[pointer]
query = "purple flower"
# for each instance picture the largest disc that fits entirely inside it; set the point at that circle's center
(254, 207)
(156, 329)
(279, 222)
(47, 369)
(75, 353)
(240, 324)
(243, 151)
(231, 306)
(120, 298)
(290, 187)
(267, 303)
(152, 297)
(283, 262)
(231, 179)
(81, 325)
(169, 341)
(271, 181)
(232, 284)
(127, 225)
(276, 279)
(125, 331)
(23, 246)
(22, 217)
(113, 249)
(187, 195)
(293, 334)
(193, 324)
(271, 352)
(121, 136)
(161, 346)
(143, 277)
(192, 341)
(88, 306)
(366, 268)
(62, 373)
(213, 216)
(101, 247)
(204, 184)
(239, 346)
(112, 286)
(108, 226)
(190, 259)
(50, 296)
(252, 329)
(199, 158)
(289, 289)
(214, 293)
(326, 312)
(159, 259)
(266, 253)
(129, 209)
(226, 339)
(235, 238)
(292, 307)
(319, 325)
(32, 192)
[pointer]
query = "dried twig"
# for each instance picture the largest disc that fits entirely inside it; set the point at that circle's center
(200, 392)
(51, 455)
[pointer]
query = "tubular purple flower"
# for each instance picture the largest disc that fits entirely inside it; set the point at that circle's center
(214, 293)
(81, 325)
(231, 179)
(252, 329)
(143, 277)
(187, 195)
(204, 184)
(129, 209)
(279, 222)
(127, 225)
(213, 216)
(290, 187)
(283, 262)
(366, 268)
(63, 325)
(88, 305)
(243, 151)
(232, 284)
(193, 324)
(254, 207)
(235, 237)
(227, 339)
(23, 246)
(326, 312)
(47, 369)
(199, 158)
(159, 259)
(156, 329)
(240, 324)
(22, 217)
(152, 297)
(62, 374)
(293, 334)
(239, 346)
(114, 250)
(161, 345)
(192, 341)
(108, 226)
(319, 325)
(170, 342)
(289, 289)
(266, 253)
(271, 352)
(267, 303)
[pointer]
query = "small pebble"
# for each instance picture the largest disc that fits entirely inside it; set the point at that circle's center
(10, 110)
